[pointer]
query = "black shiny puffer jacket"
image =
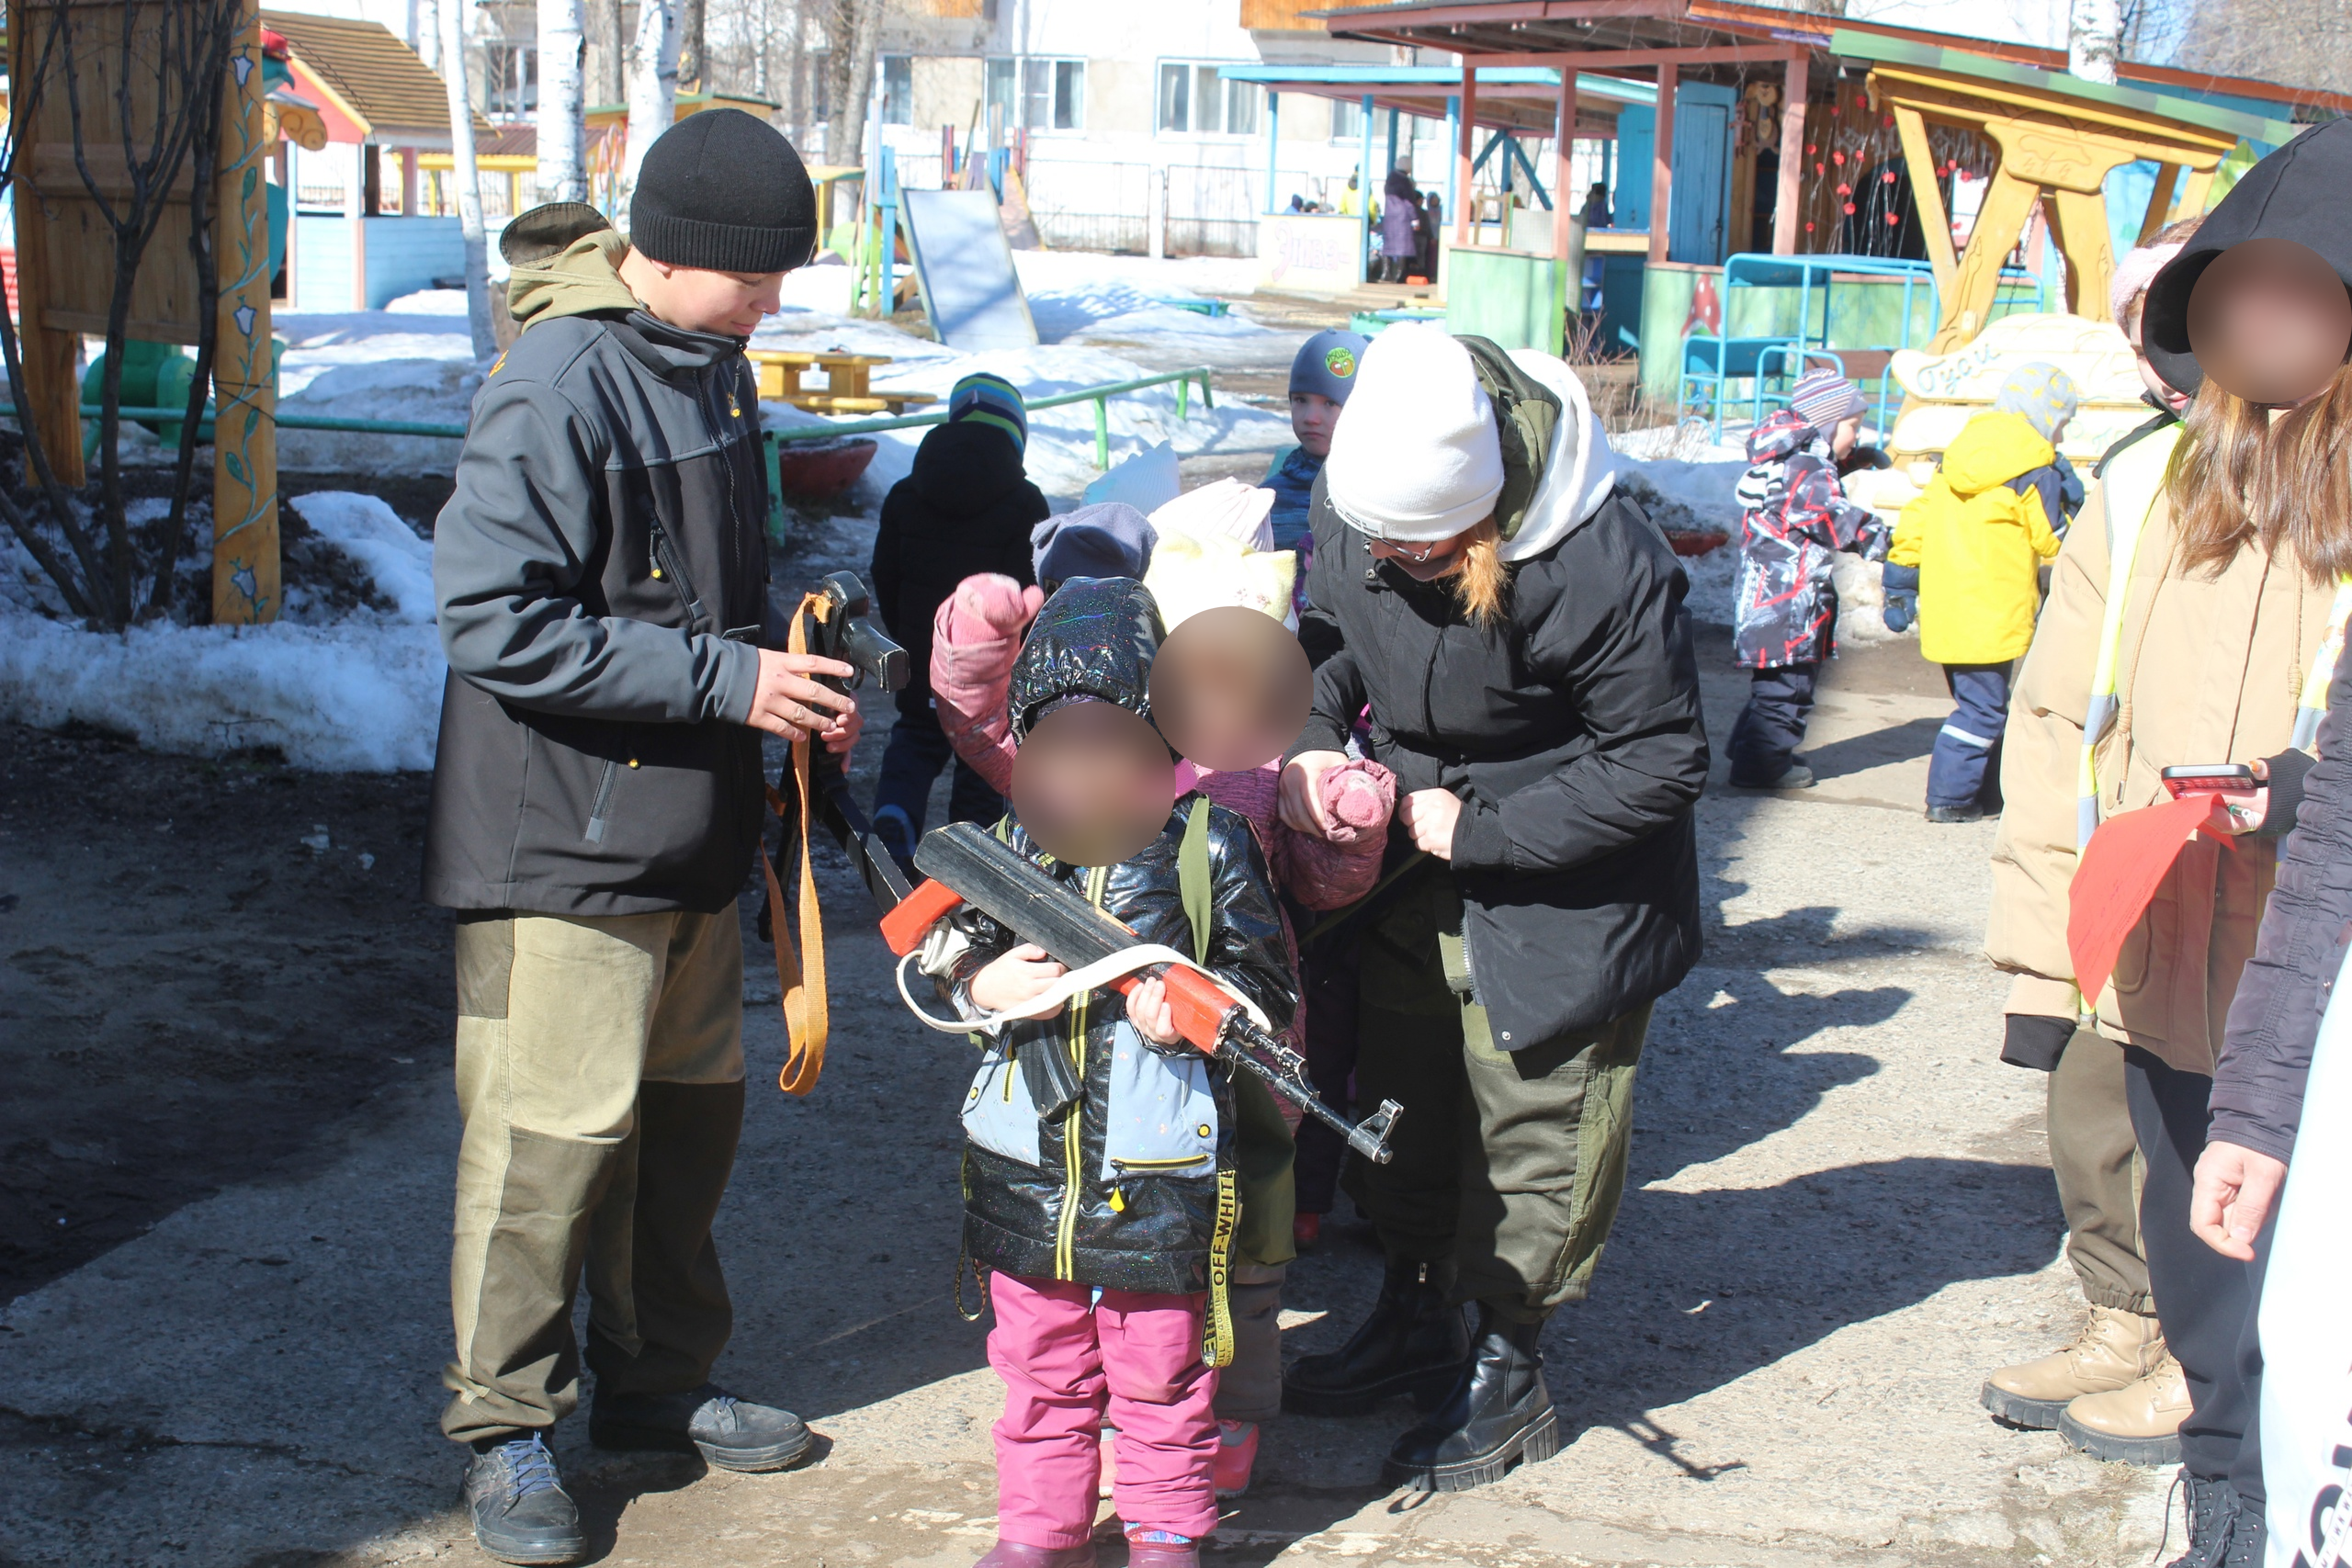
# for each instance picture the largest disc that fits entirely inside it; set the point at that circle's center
(1123, 1188)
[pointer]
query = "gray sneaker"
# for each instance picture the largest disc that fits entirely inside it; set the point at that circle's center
(522, 1512)
(726, 1431)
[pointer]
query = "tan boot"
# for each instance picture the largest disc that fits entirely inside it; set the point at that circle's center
(2115, 1351)
(2135, 1426)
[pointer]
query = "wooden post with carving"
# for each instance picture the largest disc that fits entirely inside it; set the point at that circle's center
(245, 425)
(50, 355)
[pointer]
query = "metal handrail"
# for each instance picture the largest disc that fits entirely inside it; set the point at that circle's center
(770, 440)
(1099, 396)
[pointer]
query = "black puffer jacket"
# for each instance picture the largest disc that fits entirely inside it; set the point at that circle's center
(2285, 988)
(1572, 733)
(966, 507)
(1121, 1187)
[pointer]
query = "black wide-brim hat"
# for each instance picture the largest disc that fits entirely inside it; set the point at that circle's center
(2303, 192)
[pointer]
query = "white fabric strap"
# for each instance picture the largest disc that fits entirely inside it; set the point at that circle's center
(1092, 977)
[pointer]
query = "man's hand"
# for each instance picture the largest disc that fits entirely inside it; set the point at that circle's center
(1148, 1011)
(1429, 815)
(2235, 1190)
(1301, 795)
(788, 704)
(1017, 977)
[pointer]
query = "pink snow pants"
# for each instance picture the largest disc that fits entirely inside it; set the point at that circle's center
(1134, 1358)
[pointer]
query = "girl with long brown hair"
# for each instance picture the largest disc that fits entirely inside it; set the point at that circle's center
(2193, 619)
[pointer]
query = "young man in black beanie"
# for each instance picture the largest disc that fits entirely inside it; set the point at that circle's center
(602, 578)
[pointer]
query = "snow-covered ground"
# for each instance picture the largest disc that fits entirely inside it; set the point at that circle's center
(359, 687)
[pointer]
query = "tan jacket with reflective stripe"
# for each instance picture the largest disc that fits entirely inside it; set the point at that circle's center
(2207, 670)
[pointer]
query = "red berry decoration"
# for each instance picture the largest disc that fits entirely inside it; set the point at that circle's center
(1891, 220)
(1846, 190)
(1809, 228)
(1819, 168)
(1887, 178)
(1838, 159)
(1848, 209)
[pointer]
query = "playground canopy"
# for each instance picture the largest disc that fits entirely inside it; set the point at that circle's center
(1729, 53)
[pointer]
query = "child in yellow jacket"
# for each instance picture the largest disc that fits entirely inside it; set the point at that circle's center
(1967, 562)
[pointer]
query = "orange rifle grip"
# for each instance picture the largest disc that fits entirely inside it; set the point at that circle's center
(1198, 1004)
(914, 915)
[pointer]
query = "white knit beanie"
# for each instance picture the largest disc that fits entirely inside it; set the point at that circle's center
(1416, 458)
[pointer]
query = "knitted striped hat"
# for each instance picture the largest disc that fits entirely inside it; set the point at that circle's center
(1821, 398)
(984, 399)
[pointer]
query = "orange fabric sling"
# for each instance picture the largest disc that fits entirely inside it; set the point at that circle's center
(806, 1020)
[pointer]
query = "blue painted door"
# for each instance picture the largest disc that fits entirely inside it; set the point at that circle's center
(1637, 134)
(1699, 227)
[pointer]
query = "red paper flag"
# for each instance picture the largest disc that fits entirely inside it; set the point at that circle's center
(2120, 871)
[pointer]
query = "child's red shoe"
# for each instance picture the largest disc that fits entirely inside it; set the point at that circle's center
(1160, 1549)
(1236, 1456)
(1306, 1230)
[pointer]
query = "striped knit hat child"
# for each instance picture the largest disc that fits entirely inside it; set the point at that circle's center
(984, 399)
(1822, 397)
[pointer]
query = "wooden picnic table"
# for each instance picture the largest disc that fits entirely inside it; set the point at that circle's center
(846, 387)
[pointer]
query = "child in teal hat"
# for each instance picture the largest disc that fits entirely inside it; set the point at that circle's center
(1321, 376)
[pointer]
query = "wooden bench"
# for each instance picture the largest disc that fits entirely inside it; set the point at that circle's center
(847, 378)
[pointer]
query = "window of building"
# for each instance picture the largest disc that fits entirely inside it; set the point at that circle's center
(510, 79)
(1347, 121)
(820, 76)
(1195, 100)
(1038, 94)
(898, 90)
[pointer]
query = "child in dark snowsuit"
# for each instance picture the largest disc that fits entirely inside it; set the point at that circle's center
(1106, 1221)
(1785, 610)
(967, 508)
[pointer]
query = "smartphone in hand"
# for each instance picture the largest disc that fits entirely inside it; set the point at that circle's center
(2210, 779)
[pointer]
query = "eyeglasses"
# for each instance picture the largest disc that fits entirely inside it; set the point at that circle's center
(1420, 557)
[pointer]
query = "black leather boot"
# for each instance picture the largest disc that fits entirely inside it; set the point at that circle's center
(2213, 1513)
(1413, 1343)
(1498, 1415)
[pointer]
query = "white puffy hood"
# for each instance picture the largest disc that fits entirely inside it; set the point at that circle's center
(1580, 470)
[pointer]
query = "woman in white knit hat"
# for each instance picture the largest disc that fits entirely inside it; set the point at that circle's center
(1515, 627)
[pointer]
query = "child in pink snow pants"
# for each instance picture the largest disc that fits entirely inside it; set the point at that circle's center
(1103, 1200)
(1070, 1364)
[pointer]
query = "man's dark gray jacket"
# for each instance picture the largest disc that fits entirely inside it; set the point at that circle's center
(601, 581)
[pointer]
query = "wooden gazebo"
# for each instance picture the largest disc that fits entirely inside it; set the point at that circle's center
(1791, 71)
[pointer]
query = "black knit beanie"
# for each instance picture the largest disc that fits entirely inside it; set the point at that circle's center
(724, 190)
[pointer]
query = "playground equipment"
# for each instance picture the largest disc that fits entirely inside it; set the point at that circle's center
(964, 267)
(1941, 392)
(2059, 138)
(1779, 316)
(66, 283)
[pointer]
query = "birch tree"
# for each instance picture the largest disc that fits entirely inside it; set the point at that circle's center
(468, 178)
(2094, 39)
(562, 112)
(653, 85)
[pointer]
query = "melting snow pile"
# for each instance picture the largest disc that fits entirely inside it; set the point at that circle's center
(359, 694)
